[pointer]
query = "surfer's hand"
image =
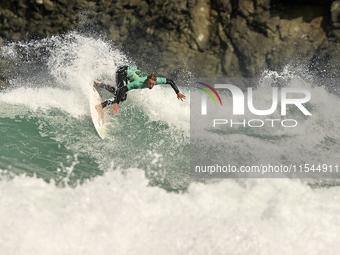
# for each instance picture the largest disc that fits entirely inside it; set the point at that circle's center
(115, 108)
(97, 82)
(180, 96)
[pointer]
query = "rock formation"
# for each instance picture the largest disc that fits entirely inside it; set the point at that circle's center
(216, 38)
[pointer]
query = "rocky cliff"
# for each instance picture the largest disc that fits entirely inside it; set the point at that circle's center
(211, 38)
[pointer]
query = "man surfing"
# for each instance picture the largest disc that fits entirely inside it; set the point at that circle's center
(128, 78)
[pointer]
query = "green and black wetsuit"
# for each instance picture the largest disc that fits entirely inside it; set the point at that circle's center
(128, 78)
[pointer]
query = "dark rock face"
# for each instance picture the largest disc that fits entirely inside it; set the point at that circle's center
(215, 38)
(27, 19)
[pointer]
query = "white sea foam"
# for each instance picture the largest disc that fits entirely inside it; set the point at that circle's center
(161, 104)
(35, 99)
(121, 214)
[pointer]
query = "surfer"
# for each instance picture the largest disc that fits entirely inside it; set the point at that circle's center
(128, 78)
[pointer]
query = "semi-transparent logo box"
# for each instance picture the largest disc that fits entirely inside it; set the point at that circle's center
(264, 128)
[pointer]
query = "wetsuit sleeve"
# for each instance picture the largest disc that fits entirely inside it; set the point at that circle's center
(172, 84)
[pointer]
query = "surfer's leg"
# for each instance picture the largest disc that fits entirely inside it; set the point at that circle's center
(101, 106)
(109, 88)
(108, 102)
(101, 85)
(121, 76)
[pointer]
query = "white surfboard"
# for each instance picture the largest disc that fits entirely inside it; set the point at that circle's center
(98, 122)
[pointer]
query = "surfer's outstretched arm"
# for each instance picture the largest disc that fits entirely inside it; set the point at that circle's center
(173, 85)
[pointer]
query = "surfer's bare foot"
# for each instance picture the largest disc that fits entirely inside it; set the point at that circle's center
(115, 108)
(99, 109)
(97, 83)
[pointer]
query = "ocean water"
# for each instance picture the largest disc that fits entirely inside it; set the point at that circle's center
(63, 190)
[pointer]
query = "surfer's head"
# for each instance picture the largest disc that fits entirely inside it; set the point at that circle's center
(151, 80)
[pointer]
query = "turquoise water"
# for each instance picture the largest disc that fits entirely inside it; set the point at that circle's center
(63, 190)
